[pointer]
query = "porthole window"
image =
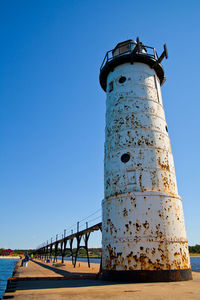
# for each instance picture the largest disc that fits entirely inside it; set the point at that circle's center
(125, 157)
(122, 79)
(110, 87)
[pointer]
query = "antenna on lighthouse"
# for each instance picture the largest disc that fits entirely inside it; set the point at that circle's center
(138, 44)
(164, 54)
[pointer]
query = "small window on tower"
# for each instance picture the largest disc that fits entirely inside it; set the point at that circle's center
(110, 87)
(122, 79)
(125, 157)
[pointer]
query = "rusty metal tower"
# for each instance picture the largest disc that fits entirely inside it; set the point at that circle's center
(144, 236)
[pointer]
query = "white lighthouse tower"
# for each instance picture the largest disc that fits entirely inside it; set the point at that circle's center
(144, 236)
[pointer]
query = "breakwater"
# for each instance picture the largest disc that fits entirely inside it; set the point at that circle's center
(55, 280)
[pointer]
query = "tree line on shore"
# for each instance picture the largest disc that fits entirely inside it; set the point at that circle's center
(93, 252)
(194, 249)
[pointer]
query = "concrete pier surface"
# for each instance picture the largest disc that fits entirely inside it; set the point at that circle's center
(40, 269)
(53, 281)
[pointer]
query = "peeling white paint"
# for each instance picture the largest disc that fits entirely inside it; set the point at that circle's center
(143, 222)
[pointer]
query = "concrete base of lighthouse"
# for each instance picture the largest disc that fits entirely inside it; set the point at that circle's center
(144, 238)
(147, 276)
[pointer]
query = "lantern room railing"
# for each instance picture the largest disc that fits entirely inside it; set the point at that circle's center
(134, 48)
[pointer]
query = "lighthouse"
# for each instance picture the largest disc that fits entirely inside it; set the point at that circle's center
(143, 229)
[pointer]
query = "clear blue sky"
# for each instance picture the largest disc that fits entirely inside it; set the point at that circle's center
(52, 112)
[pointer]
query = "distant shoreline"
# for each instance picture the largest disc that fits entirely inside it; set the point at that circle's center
(96, 257)
(6, 257)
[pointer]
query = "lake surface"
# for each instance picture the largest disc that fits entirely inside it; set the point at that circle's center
(6, 271)
(7, 268)
(195, 261)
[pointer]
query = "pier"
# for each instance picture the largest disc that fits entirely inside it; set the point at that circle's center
(41, 280)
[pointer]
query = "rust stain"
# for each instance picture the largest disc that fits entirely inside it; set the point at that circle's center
(136, 124)
(125, 212)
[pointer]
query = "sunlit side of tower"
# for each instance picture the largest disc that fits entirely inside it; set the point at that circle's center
(143, 230)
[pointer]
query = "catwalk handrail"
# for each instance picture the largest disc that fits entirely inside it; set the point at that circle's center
(72, 235)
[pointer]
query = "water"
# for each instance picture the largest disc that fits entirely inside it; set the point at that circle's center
(92, 260)
(6, 271)
(195, 261)
(7, 267)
